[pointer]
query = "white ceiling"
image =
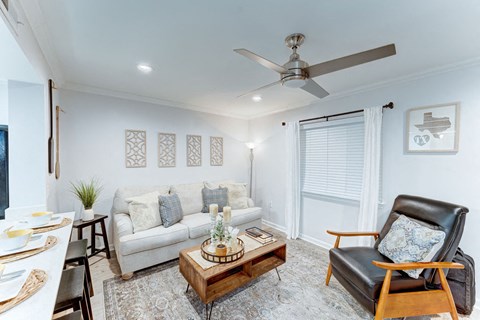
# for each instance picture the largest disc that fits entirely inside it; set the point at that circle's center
(95, 45)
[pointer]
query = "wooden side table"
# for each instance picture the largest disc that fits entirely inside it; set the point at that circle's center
(98, 218)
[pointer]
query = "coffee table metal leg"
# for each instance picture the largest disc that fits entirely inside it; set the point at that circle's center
(208, 315)
(278, 274)
(188, 286)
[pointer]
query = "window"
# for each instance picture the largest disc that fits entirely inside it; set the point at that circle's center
(332, 158)
(3, 170)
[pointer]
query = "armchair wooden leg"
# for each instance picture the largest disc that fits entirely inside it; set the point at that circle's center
(446, 288)
(329, 271)
(329, 274)
(379, 315)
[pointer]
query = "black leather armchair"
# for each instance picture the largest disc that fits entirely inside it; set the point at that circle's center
(379, 284)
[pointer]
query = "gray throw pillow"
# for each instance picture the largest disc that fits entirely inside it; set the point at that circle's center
(170, 209)
(211, 196)
(408, 241)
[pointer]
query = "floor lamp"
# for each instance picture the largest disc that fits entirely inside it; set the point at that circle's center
(250, 146)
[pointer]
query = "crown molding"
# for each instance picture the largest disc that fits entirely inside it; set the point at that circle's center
(382, 84)
(152, 100)
(39, 29)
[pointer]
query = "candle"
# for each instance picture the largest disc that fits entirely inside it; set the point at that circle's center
(227, 214)
(213, 209)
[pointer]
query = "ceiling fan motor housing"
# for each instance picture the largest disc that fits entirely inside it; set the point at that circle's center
(297, 74)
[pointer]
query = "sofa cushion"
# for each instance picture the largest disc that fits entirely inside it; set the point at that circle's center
(153, 238)
(190, 196)
(170, 209)
(218, 196)
(198, 224)
(408, 241)
(356, 262)
(237, 195)
(120, 204)
(144, 211)
(242, 216)
(216, 184)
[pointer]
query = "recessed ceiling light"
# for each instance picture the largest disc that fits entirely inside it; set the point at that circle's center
(145, 68)
(257, 98)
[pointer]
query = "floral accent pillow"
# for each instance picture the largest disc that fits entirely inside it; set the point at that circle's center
(408, 241)
(144, 211)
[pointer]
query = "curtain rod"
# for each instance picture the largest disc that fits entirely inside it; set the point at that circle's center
(389, 106)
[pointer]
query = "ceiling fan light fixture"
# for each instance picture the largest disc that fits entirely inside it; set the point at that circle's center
(295, 82)
(145, 68)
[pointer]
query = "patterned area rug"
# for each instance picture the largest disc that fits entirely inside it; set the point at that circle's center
(159, 293)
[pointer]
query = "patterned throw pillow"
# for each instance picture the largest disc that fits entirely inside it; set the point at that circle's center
(170, 209)
(143, 211)
(218, 196)
(408, 241)
(237, 195)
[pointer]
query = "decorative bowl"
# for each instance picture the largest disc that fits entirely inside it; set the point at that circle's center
(15, 239)
(38, 219)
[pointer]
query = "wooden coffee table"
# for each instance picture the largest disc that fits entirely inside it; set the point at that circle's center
(221, 279)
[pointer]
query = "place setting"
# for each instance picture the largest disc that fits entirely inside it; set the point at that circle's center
(20, 240)
(18, 285)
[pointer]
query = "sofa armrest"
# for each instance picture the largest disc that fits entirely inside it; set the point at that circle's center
(122, 225)
(250, 203)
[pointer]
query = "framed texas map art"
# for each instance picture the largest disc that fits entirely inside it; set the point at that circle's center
(433, 129)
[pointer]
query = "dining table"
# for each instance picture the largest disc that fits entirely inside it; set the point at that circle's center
(41, 304)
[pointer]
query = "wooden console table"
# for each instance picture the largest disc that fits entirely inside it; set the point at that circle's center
(221, 279)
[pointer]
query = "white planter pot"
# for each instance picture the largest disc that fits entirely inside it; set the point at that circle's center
(88, 214)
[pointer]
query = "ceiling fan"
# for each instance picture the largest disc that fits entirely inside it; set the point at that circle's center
(296, 73)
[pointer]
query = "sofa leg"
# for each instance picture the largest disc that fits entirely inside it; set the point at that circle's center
(329, 274)
(127, 276)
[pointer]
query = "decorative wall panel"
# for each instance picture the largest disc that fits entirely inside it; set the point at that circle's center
(166, 150)
(135, 148)
(216, 151)
(194, 151)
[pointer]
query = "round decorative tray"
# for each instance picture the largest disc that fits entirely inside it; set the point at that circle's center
(229, 257)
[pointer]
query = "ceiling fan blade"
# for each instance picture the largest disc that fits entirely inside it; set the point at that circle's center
(315, 89)
(261, 88)
(351, 60)
(264, 62)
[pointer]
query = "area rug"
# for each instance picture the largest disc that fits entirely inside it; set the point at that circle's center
(159, 293)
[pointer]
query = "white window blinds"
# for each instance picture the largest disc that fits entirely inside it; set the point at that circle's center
(332, 158)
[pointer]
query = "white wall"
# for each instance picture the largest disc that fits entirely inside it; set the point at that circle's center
(3, 102)
(27, 147)
(92, 144)
(448, 177)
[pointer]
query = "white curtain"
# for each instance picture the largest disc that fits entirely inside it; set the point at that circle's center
(367, 220)
(292, 199)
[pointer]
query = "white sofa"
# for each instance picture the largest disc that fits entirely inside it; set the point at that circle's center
(146, 248)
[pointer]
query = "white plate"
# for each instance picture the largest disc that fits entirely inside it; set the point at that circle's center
(56, 219)
(37, 241)
(10, 289)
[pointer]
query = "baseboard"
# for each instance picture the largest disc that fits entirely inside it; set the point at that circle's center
(274, 225)
(315, 241)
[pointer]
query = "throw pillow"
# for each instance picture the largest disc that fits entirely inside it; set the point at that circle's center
(143, 211)
(237, 195)
(170, 209)
(408, 241)
(218, 196)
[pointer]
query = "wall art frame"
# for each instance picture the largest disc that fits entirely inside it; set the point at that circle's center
(194, 150)
(433, 129)
(216, 151)
(135, 148)
(167, 149)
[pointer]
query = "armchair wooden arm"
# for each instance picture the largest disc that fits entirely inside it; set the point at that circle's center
(417, 265)
(338, 234)
(392, 305)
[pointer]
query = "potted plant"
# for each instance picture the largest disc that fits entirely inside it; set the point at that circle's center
(87, 193)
